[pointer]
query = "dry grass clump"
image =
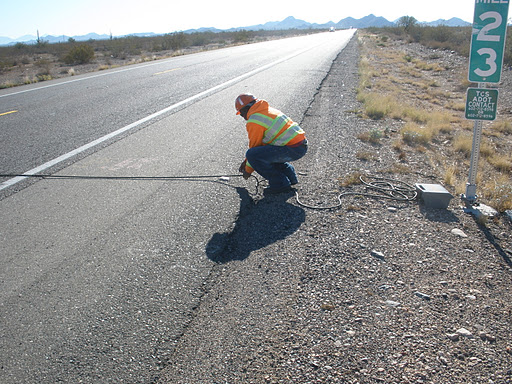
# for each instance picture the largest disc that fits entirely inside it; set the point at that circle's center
(365, 75)
(499, 191)
(365, 155)
(461, 107)
(398, 168)
(424, 66)
(450, 175)
(353, 178)
(502, 127)
(463, 144)
(502, 163)
(376, 106)
(413, 134)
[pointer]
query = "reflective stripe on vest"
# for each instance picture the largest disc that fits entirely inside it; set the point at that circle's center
(274, 126)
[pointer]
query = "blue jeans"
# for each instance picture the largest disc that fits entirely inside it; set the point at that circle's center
(272, 162)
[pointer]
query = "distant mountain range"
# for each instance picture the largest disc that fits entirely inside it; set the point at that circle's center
(288, 23)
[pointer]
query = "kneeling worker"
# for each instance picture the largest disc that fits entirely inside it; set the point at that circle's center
(274, 141)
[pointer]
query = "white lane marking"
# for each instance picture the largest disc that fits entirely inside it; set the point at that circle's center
(131, 68)
(83, 148)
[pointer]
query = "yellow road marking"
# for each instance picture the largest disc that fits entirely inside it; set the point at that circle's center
(169, 70)
(7, 113)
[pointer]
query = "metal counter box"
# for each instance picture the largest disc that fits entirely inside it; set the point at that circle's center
(434, 195)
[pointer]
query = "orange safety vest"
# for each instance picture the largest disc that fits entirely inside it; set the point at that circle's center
(269, 126)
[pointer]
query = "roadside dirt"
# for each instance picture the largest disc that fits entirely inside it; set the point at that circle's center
(374, 291)
(431, 87)
(45, 67)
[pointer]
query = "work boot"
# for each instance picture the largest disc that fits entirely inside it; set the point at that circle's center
(274, 191)
(293, 180)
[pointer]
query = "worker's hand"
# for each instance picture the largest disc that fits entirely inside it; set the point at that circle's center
(242, 170)
(242, 167)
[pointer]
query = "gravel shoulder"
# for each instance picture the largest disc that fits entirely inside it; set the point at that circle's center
(375, 291)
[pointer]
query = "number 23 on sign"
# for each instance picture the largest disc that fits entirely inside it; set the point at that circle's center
(488, 40)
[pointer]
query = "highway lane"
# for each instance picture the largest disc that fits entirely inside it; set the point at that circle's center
(99, 278)
(54, 119)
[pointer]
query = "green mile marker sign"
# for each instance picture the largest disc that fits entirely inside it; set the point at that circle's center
(488, 41)
(481, 104)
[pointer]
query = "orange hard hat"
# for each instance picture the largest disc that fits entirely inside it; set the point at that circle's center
(242, 101)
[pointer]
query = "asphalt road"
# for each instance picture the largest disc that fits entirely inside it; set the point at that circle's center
(100, 278)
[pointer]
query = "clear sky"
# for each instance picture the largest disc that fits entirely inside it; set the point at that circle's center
(121, 17)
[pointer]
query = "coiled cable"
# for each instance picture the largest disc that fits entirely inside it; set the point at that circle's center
(382, 187)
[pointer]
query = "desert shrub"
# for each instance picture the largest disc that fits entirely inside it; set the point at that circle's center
(80, 54)
(43, 77)
(440, 34)
(116, 48)
(407, 23)
(413, 134)
(20, 46)
(199, 39)
(373, 136)
(6, 63)
(174, 41)
(242, 36)
(441, 37)
(44, 69)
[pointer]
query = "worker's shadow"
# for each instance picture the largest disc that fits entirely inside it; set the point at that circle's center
(258, 225)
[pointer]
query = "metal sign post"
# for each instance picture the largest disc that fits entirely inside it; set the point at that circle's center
(470, 195)
(485, 66)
